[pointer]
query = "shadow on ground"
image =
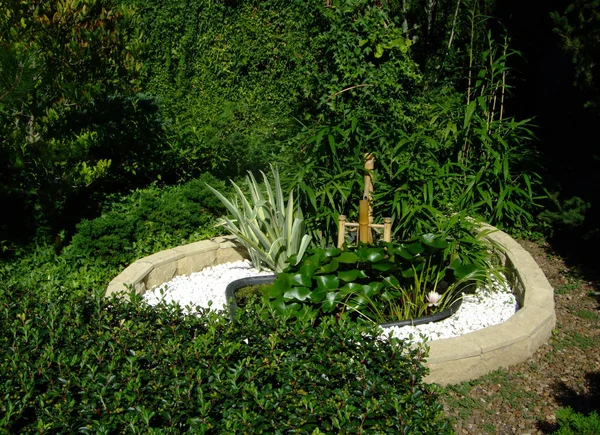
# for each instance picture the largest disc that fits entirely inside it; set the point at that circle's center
(581, 403)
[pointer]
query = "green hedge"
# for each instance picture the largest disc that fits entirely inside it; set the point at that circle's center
(93, 365)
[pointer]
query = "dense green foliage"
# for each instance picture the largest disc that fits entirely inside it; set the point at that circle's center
(229, 86)
(72, 121)
(571, 423)
(104, 102)
(437, 152)
(144, 222)
(95, 365)
(579, 29)
(229, 76)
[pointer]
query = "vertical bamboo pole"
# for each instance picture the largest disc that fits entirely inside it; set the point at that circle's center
(363, 221)
(387, 229)
(342, 230)
(369, 166)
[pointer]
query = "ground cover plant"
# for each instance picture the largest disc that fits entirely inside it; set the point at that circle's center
(131, 226)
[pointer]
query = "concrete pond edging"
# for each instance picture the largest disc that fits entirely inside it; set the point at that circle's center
(450, 360)
(475, 354)
(148, 272)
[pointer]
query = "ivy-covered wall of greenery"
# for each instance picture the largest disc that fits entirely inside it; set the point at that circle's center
(104, 96)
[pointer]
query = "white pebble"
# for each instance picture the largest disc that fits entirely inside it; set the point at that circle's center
(200, 288)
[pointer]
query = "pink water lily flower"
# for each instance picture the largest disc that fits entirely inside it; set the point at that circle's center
(433, 298)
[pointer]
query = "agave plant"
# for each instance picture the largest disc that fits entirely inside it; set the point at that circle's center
(265, 225)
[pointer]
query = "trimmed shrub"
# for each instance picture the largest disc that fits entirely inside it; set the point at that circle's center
(95, 365)
(147, 221)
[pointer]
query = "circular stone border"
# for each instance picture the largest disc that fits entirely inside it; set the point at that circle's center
(450, 360)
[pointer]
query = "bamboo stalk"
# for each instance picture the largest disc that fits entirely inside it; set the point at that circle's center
(493, 87)
(453, 24)
(465, 151)
(341, 230)
(387, 229)
(471, 54)
(363, 221)
(503, 78)
(368, 181)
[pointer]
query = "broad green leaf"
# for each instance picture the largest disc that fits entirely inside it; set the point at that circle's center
(279, 304)
(372, 289)
(467, 271)
(351, 288)
(357, 302)
(375, 254)
(403, 252)
(351, 275)
(383, 266)
(330, 302)
(408, 273)
(329, 282)
(332, 252)
(347, 257)
(415, 248)
(330, 267)
(318, 295)
(301, 280)
(297, 293)
(280, 286)
(308, 269)
(391, 281)
(434, 241)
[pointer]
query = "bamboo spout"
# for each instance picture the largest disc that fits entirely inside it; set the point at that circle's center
(368, 181)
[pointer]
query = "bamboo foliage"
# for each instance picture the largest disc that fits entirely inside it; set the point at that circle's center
(265, 225)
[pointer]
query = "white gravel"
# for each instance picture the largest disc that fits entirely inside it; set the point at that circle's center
(479, 310)
(207, 289)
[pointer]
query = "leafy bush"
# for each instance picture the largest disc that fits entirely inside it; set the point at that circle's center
(382, 283)
(270, 230)
(569, 215)
(95, 365)
(437, 151)
(146, 221)
(574, 423)
(71, 112)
